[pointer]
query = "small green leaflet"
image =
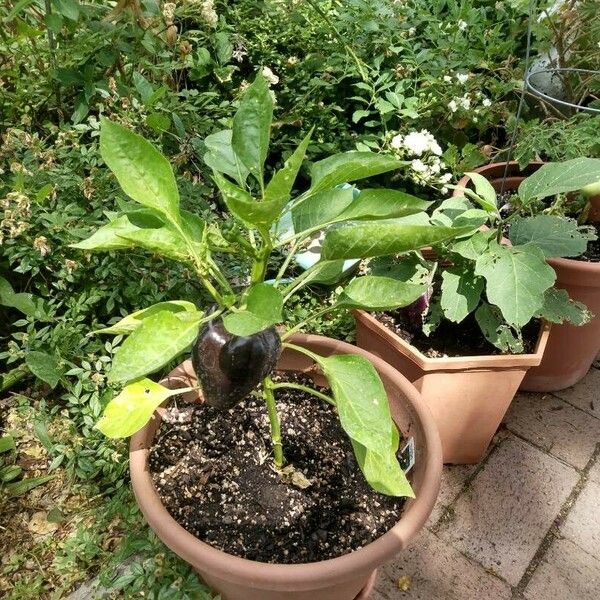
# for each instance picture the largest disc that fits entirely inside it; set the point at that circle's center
(373, 292)
(44, 366)
(264, 305)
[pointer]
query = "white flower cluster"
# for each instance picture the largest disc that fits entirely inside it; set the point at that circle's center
(208, 13)
(427, 168)
(271, 78)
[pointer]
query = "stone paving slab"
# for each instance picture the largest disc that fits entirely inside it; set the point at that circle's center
(566, 573)
(436, 571)
(453, 480)
(546, 421)
(509, 507)
(586, 394)
(594, 473)
(582, 525)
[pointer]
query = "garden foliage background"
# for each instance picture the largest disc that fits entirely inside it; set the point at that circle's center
(363, 73)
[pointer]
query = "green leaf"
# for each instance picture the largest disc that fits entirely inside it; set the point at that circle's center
(474, 246)
(373, 292)
(140, 228)
(221, 158)
(264, 305)
(380, 238)
(321, 209)
(486, 192)
(252, 127)
(364, 414)
(21, 301)
(7, 443)
(132, 408)
(383, 472)
(19, 488)
(9, 473)
(134, 320)
(328, 272)
(461, 291)
(350, 166)
(556, 236)
(280, 187)
(560, 178)
(142, 171)
(45, 367)
(158, 121)
(158, 340)
(496, 331)
(361, 400)
(559, 308)
(516, 279)
(241, 204)
(383, 204)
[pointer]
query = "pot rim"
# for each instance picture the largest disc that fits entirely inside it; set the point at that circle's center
(514, 170)
(457, 363)
(303, 575)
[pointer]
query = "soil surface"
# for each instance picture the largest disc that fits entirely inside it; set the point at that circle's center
(592, 254)
(213, 471)
(451, 339)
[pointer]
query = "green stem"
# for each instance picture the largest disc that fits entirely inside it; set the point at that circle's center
(302, 350)
(269, 397)
(286, 263)
(13, 377)
(304, 388)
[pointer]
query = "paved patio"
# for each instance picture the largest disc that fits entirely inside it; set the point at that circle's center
(524, 523)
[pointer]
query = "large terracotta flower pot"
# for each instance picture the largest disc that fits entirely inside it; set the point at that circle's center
(571, 350)
(468, 396)
(343, 578)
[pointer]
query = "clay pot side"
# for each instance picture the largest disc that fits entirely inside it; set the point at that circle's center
(571, 350)
(468, 396)
(348, 577)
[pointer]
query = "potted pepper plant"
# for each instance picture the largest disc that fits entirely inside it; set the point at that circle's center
(285, 482)
(565, 193)
(484, 320)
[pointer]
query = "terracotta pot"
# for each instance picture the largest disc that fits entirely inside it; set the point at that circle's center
(560, 369)
(343, 578)
(468, 396)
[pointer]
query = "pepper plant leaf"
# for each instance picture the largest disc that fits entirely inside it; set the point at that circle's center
(131, 322)
(142, 171)
(252, 127)
(132, 408)
(516, 279)
(280, 187)
(158, 340)
(556, 236)
(364, 414)
(382, 203)
(264, 305)
(560, 178)
(350, 166)
(221, 158)
(380, 238)
(321, 209)
(373, 292)
(485, 192)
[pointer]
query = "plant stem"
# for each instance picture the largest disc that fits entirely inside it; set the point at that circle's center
(304, 388)
(286, 263)
(13, 377)
(302, 350)
(269, 397)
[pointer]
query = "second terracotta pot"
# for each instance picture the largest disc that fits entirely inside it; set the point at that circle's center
(349, 577)
(571, 350)
(468, 396)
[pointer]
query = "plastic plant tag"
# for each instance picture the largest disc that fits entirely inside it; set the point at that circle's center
(407, 455)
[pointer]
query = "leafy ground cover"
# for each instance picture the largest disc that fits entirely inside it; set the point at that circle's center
(436, 83)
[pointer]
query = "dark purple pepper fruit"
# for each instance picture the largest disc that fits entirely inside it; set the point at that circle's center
(228, 366)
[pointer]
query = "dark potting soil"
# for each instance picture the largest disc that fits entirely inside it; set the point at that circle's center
(213, 471)
(451, 339)
(592, 254)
